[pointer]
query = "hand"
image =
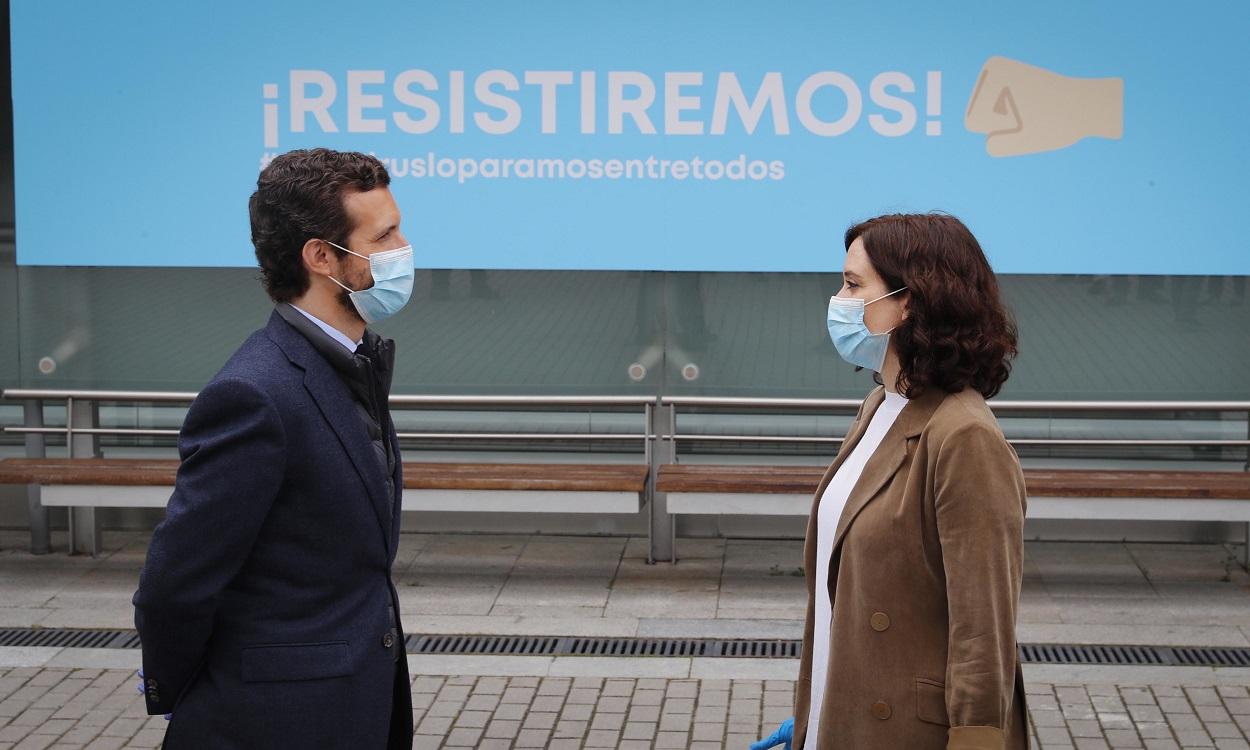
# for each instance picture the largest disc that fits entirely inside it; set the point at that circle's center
(143, 691)
(1024, 109)
(784, 733)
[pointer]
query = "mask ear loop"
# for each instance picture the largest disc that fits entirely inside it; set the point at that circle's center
(345, 287)
(349, 252)
(896, 291)
(878, 299)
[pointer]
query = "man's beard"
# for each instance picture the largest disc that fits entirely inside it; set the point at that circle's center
(345, 298)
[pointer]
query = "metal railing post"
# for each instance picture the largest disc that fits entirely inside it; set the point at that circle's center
(84, 532)
(1245, 551)
(36, 447)
(660, 427)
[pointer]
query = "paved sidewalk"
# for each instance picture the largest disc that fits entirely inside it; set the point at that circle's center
(1170, 594)
(99, 709)
(539, 585)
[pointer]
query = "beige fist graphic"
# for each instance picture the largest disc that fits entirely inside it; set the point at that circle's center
(1024, 109)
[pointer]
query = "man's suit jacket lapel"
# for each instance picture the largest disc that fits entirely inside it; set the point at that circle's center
(337, 405)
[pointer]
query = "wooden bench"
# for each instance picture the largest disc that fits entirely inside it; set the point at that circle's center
(1081, 494)
(472, 487)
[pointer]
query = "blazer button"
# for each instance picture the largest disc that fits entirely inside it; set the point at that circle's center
(880, 622)
(881, 710)
(388, 640)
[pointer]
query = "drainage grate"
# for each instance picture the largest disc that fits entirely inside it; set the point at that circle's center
(1114, 655)
(1151, 656)
(63, 638)
(520, 645)
(1211, 657)
(492, 645)
(763, 649)
(639, 647)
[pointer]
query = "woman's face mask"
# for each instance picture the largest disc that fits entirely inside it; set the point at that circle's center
(850, 335)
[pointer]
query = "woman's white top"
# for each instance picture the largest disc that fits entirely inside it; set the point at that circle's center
(832, 502)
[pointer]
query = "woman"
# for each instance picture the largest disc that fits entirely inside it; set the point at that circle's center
(915, 541)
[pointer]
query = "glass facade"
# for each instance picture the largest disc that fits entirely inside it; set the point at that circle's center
(1081, 337)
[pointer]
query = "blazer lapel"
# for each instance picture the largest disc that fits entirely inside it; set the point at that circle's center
(888, 457)
(336, 404)
(871, 402)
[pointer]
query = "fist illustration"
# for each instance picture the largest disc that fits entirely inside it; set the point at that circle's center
(1024, 109)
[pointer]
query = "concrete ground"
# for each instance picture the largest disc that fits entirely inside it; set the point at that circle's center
(1157, 594)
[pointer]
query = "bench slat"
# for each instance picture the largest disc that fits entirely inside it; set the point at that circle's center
(417, 475)
(789, 480)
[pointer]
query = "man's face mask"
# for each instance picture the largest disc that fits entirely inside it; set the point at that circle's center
(392, 273)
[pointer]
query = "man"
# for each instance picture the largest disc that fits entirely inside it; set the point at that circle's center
(266, 607)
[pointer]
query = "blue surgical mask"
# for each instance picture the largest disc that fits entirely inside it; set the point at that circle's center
(851, 337)
(392, 283)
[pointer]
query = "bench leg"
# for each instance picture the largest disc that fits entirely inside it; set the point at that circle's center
(1245, 549)
(37, 515)
(84, 532)
(660, 532)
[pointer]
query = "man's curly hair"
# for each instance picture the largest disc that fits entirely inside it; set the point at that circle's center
(957, 332)
(299, 197)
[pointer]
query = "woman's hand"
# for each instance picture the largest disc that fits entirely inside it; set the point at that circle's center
(784, 733)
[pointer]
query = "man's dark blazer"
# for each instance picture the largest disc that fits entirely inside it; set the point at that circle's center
(266, 607)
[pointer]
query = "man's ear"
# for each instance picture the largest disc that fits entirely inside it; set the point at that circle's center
(318, 257)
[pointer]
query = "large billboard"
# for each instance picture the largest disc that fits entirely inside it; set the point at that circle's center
(1073, 137)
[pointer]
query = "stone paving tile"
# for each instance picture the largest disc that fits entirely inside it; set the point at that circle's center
(590, 712)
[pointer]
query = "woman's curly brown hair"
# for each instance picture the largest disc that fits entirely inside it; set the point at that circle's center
(957, 332)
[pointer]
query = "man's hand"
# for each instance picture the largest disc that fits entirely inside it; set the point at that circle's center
(784, 733)
(143, 691)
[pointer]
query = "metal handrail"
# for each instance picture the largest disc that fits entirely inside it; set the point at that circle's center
(401, 400)
(672, 401)
(1053, 442)
(996, 404)
(25, 394)
(21, 394)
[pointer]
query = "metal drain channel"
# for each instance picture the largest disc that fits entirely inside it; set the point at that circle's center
(524, 645)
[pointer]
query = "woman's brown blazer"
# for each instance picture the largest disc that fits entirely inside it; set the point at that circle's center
(925, 581)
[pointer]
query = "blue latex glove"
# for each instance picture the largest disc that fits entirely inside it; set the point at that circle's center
(142, 691)
(784, 733)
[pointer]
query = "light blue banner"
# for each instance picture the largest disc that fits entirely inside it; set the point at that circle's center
(1072, 137)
